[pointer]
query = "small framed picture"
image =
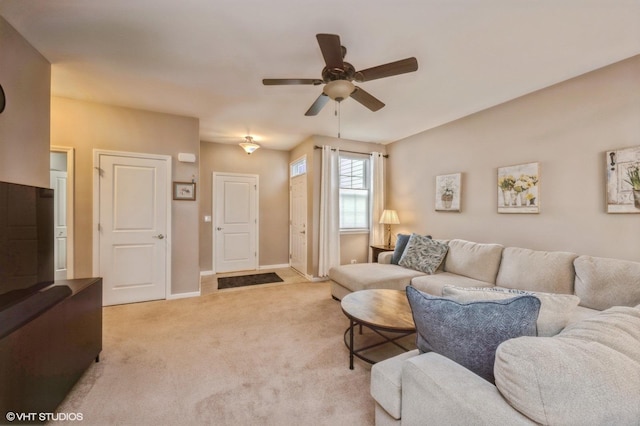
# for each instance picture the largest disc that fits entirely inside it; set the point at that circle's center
(448, 189)
(184, 191)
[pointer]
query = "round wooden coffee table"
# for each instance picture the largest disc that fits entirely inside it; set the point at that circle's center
(385, 312)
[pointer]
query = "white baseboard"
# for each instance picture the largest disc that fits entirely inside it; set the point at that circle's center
(284, 265)
(183, 295)
(206, 273)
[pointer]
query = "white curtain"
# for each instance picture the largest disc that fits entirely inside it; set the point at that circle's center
(329, 211)
(376, 233)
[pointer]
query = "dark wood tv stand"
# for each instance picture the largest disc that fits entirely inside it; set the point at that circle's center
(42, 360)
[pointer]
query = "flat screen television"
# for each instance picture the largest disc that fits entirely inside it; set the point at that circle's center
(26, 241)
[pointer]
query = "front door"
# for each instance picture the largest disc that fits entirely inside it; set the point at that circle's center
(236, 222)
(298, 220)
(133, 227)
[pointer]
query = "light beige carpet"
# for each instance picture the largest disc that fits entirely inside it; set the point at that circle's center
(269, 355)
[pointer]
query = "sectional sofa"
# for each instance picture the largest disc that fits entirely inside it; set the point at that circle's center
(584, 369)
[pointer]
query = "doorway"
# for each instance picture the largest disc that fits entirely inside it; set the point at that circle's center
(298, 224)
(132, 226)
(235, 225)
(62, 178)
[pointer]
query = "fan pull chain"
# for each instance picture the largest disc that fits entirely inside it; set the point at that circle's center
(337, 113)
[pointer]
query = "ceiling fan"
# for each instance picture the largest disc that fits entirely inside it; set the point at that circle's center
(338, 76)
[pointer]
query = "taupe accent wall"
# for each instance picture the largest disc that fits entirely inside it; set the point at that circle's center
(86, 126)
(567, 128)
(25, 76)
(272, 167)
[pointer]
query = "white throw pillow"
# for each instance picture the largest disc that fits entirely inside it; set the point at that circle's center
(555, 309)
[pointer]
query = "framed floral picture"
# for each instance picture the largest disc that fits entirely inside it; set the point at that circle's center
(623, 180)
(519, 188)
(448, 191)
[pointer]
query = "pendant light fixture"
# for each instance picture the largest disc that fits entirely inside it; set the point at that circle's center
(249, 145)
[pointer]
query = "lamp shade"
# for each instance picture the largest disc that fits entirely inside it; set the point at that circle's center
(249, 146)
(338, 90)
(389, 217)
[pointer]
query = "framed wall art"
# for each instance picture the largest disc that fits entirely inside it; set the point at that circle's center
(184, 191)
(519, 188)
(623, 180)
(448, 191)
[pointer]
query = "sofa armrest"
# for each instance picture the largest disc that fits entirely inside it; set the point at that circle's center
(440, 391)
(385, 257)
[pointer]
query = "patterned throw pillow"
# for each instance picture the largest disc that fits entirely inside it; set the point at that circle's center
(470, 333)
(423, 254)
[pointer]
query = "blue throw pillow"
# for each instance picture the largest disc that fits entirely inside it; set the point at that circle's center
(401, 244)
(469, 333)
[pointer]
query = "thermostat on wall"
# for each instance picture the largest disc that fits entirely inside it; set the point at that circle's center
(186, 157)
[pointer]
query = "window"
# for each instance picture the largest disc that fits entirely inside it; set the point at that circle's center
(299, 167)
(354, 192)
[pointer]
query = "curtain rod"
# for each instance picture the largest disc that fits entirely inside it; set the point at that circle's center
(351, 152)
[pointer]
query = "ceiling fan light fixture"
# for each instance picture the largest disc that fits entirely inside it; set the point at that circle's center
(339, 90)
(249, 145)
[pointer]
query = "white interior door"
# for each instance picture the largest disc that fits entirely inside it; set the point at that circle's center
(133, 228)
(59, 185)
(235, 228)
(298, 220)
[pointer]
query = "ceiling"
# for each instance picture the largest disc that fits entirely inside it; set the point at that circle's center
(207, 58)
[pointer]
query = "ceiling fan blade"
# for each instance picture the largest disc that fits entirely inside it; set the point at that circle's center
(286, 81)
(366, 99)
(331, 50)
(387, 70)
(317, 105)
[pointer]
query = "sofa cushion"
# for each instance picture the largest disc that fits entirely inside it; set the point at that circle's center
(423, 254)
(587, 374)
(361, 276)
(534, 270)
(433, 284)
(386, 383)
(401, 245)
(555, 309)
(469, 333)
(602, 283)
(473, 260)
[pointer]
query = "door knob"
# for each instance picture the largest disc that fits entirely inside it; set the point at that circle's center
(219, 229)
(159, 236)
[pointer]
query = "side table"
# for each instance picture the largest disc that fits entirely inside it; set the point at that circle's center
(376, 250)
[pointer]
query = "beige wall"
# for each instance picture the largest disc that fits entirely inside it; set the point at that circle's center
(567, 128)
(86, 126)
(272, 167)
(25, 76)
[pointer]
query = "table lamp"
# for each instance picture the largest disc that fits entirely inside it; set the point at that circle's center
(389, 217)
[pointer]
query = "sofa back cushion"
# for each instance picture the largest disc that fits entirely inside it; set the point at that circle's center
(533, 270)
(602, 283)
(555, 309)
(587, 374)
(474, 260)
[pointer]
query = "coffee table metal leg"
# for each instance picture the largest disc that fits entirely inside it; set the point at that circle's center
(352, 323)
